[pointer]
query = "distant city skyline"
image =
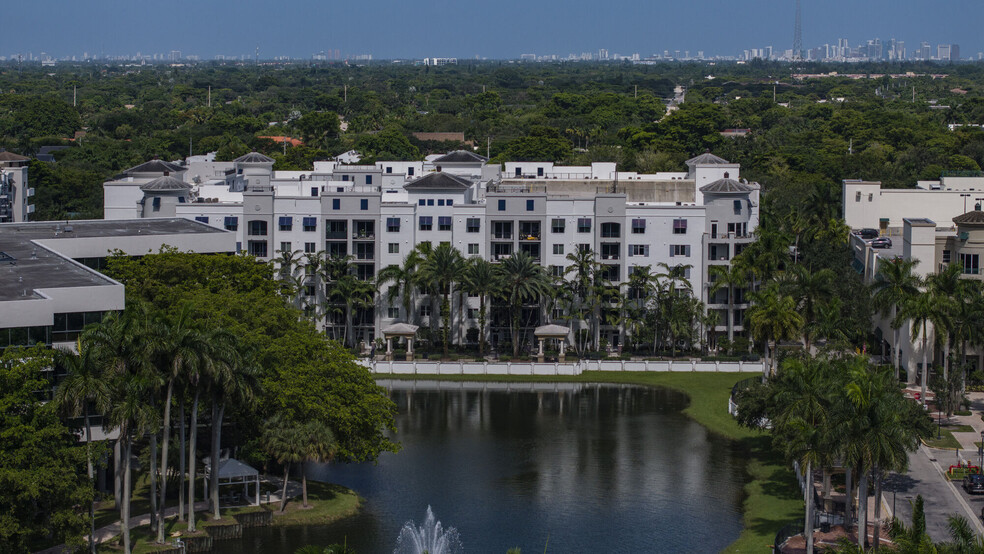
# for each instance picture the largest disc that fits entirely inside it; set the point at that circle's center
(385, 29)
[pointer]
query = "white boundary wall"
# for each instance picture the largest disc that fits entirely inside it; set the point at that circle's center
(556, 369)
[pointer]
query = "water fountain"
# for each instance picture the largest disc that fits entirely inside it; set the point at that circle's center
(429, 538)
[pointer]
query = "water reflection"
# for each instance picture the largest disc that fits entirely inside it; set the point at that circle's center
(594, 468)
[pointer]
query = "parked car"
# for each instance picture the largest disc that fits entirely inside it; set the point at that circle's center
(974, 484)
(881, 242)
(867, 234)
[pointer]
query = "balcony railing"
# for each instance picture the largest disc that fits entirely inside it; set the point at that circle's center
(338, 235)
(364, 236)
(502, 236)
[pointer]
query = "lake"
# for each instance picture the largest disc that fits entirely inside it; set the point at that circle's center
(561, 467)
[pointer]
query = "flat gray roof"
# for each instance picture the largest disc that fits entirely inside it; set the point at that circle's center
(28, 266)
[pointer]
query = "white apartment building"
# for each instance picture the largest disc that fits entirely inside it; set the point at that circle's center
(15, 193)
(379, 213)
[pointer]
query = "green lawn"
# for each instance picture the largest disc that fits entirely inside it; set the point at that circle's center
(772, 497)
(946, 440)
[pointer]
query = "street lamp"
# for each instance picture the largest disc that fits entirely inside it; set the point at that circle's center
(965, 197)
(980, 450)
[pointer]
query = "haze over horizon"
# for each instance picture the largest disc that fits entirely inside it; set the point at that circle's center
(387, 29)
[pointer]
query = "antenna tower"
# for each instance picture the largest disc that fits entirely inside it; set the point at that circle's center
(798, 32)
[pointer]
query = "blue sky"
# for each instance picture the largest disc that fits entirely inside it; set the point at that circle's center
(501, 29)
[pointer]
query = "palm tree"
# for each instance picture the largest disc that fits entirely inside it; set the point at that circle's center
(481, 279)
(284, 441)
(350, 291)
(730, 277)
(85, 384)
(444, 267)
(319, 446)
(404, 280)
(773, 318)
(921, 310)
(177, 349)
(895, 284)
(948, 288)
(810, 290)
(587, 288)
(522, 280)
(290, 270)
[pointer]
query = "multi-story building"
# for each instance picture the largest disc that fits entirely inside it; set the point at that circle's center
(15, 193)
(379, 213)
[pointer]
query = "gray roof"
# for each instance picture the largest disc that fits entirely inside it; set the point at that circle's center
(706, 158)
(439, 180)
(402, 329)
(165, 184)
(551, 331)
(254, 158)
(155, 166)
(726, 186)
(234, 469)
(975, 217)
(11, 157)
(461, 156)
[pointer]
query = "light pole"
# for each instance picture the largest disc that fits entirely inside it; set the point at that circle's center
(965, 197)
(980, 450)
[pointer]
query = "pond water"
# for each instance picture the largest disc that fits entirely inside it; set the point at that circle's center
(561, 468)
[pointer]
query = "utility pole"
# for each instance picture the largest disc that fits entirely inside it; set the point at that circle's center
(636, 94)
(345, 93)
(210, 96)
(74, 91)
(488, 146)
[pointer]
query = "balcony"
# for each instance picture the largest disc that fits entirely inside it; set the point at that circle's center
(362, 236)
(335, 235)
(503, 235)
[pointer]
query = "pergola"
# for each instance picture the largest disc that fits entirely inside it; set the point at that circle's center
(400, 330)
(234, 472)
(558, 332)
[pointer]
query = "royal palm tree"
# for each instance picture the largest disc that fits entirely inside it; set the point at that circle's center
(810, 289)
(895, 284)
(85, 385)
(773, 318)
(482, 280)
(443, 268)
(921, 310)
(403, 281)
(948, 288)
(315, 267)
(727, 277)
(523, 280)
(290, 271)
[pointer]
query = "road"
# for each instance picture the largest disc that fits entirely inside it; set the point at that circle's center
(940, 498)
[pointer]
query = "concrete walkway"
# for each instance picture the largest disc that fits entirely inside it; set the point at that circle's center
(968, 439)
(112, 530)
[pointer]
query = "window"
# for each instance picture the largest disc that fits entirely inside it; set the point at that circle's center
(309, 290)
(430, 201)
(393, 224)
(440, 201)
(364, 204)
(857, 197)
(557, 226)
(421, 202)
(365, 251)
(584, 247)
(310, 248)
(410, 171)
(611, 230)
(444, 223)
(368, 179)
(502, 229)
(181, 199)
(389, 169)
(257, 248)
(971, 263)
(680, 250)
(336, 249)
(473, 248)
(425, 244)
(679, 226)
(157, 204)
(946, 256)
(584, 225)
(502, 205)
(257, 228)
(336, 203)
(472, 313)
(501, 250)
(473, 225)
(426, 222)
(310, 224)
(285, 247)
(530, 204)
(393, 313)
(345, 177)
(286, 223)
(871, 196)
(314, 191)
(231, 223)
(738, 229)
(558, 249)
(610, 251)
(425, 311)
(611, 272)
(737, 207)
(336, 229)
(450, 202)
(638, 250)
(202, 219)
(557, 271)
(638, 226)
(539, 172)
(394, 248)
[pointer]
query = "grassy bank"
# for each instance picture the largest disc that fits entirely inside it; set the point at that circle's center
(327, 503)
(772, 498)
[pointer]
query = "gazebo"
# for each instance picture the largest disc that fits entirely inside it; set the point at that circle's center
(544, 332)
(234, 472)
(400, 330)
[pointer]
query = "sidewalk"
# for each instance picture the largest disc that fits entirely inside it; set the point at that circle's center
(968, 439)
